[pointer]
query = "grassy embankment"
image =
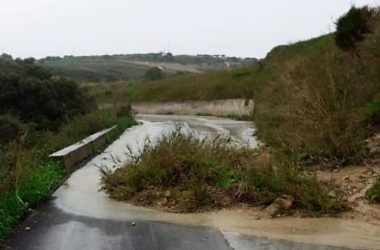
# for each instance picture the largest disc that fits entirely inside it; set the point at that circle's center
(55, 114)
(28, 176)
(315, 106)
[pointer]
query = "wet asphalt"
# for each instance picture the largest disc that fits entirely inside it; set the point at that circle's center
(48, 228)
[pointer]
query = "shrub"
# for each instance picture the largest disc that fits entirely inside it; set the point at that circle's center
(124, 110)
(201, 175)
(10, 129)
(373, 194)
(374, 111)
(154, 74)
(352, 27)
(31, 93)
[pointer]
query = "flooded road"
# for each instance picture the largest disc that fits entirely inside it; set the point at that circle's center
(79, 216)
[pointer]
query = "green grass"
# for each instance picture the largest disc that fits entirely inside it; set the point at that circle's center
(27, 176)
(38, 187)
(373, 194)
(374, 110)
(218, 85)
(202, 175)
(96, 69)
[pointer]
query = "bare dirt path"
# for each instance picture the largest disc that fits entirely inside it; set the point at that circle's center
(79, 216)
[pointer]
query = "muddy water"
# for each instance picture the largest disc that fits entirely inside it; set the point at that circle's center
(81, 195)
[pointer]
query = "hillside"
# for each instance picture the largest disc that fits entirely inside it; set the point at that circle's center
(310, 96)
(134, 66)
(237, 83)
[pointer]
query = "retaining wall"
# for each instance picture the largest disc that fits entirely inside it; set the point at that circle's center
(226, 107)
(77, 153)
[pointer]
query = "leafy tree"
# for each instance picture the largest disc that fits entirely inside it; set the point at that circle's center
(154, 74)
(352, 27)
(10, 129)
(30, 92)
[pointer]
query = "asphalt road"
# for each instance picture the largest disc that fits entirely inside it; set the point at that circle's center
(79, 217)
(52, 229)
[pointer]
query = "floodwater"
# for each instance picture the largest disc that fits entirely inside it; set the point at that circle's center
(81, 196)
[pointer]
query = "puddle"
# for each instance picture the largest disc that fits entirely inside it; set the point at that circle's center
(81, 196)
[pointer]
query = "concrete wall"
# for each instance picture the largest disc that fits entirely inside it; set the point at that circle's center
(238, 107)
(73, 155)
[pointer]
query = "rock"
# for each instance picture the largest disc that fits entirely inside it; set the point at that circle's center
(133, 224)
(332, 194)
(374, 150)
(287, 201)
(167, 194)
(373, 145)
(162, 202)
(280, 206)
(226, 201)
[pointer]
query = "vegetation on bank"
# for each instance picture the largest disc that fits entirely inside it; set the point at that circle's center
(184, 174)
(38, 116)
(320, 102)
(28, 176)
(373, 194)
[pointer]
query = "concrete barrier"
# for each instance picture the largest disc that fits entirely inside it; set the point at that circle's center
(77, 153)
(225, 107)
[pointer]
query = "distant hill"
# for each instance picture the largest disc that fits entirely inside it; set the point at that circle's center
(134, 66)
(312, 98)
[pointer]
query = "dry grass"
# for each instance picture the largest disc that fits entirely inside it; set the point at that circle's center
(318, 103)
(183, 174)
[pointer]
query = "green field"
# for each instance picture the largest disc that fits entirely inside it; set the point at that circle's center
(110, 68)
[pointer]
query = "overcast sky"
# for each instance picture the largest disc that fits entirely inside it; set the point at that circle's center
(246, 28)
